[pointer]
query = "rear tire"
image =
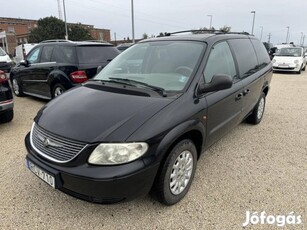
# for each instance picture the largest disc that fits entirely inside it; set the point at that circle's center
(304, 68)
(177, 173)
(257, 114)
(57, 90)
(6, 116)
(17, 89)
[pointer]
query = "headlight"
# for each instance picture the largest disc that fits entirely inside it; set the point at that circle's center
(8, 60)
(273, 61)
(112, 154)
(296, 61)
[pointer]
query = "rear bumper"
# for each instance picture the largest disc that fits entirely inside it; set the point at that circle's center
(84, 182)
(6, 105)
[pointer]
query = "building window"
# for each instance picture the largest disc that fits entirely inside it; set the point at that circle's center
(11, 29)
(101, 35)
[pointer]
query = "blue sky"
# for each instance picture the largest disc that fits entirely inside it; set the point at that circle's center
(154, 16)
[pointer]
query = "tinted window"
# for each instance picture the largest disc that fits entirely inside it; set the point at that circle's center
(245, 55)
(33, 57)
(64, 54)
(96, 54)
(261, 52)
(46, 54)
(220, 61)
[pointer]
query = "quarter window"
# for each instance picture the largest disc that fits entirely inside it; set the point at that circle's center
(220, 61)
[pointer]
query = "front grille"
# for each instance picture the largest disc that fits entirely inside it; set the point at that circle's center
(54, 147)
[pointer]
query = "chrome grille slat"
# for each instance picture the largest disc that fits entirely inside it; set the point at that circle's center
(64, 150)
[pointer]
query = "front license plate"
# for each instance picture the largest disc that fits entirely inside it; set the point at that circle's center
(49, 179)
(283, 65)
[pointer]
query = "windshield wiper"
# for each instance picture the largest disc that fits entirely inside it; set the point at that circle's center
(134, 83)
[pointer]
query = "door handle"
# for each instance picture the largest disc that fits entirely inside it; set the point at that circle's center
(245, 92)
(239, 96)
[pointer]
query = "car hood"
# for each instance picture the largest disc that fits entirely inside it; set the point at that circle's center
(93, 115)
(4, 58)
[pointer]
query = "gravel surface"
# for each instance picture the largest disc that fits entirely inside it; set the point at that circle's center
(254, 168)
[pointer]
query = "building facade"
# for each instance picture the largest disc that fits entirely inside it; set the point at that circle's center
(16, 31)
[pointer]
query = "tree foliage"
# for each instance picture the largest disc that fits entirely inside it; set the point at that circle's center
(53, 28)
(225, 29)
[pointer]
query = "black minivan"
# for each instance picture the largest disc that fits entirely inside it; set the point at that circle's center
(54, 66)
(141, 124)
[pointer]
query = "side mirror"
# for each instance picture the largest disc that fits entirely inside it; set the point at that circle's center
(218, 82)
(24, 63)
(305, 55)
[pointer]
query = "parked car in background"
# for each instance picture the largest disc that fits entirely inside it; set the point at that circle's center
(290, 59)
(6, 99)
(21, 51)
(124, 46)
(5, 61)
(55, 66)
(140, 127)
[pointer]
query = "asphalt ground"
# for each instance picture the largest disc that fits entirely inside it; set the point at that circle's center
(253, 168)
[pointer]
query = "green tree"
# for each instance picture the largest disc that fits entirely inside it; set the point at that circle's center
(145, 36)
(79, 33)
(225, 29)
(53, 28)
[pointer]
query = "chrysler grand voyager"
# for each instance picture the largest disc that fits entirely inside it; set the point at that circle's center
(141, 124)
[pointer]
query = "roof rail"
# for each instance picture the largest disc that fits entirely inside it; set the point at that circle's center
(56, 40)
(204, 30)
(100, 41)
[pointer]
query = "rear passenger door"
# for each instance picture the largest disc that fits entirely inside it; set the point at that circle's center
(224, 106)
(44, 67)
(251, 70)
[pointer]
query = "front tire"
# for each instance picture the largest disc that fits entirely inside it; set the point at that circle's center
(6, 116)
(257, 114)
(177, 173)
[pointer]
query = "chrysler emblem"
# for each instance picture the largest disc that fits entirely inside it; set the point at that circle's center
(48, 143)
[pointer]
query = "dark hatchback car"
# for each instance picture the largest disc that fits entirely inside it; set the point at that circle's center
(6, 99)
(55, 66)
(141, 124)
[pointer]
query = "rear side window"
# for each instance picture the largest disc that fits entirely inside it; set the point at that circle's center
(46, 54)
(96, 54)
(220, 61)
(245, 55)
(261, 52)
(64, 54)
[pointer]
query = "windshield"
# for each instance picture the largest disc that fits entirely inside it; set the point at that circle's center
(167, 65)
(2, 53)
(291, 52)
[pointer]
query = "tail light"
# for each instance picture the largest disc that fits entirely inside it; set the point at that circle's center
(3, 77)
(78, 76)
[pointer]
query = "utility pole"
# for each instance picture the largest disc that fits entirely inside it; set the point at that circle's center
(60, 10)
(115, 38)
(66, 36)
(132, 19)
(261, 32)
(209, 15)
(253, 12)
(301, 40)
(287, 37)
(269, 41)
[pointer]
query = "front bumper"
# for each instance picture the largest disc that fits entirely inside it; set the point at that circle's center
(99, 184)
(287, 68)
